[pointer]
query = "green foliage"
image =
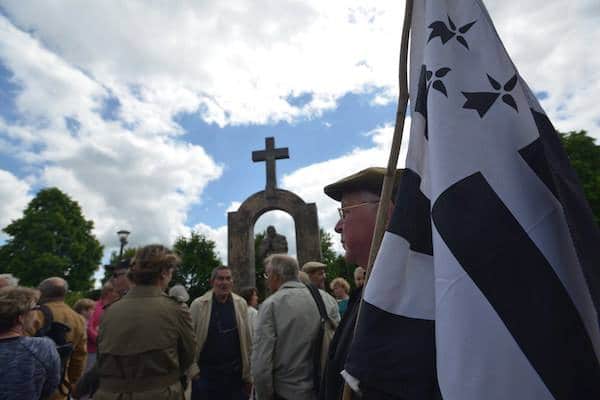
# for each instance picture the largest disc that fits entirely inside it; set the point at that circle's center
(51, 239)
(336, 263)
(198, 259)
(584, 155)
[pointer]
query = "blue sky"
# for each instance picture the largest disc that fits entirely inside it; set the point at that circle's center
(147, 114)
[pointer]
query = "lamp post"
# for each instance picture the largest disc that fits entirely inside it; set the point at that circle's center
(123, 239)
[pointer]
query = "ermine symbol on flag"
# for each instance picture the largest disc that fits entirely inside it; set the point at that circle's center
(445, 33)
(425, 83)
(483, 101)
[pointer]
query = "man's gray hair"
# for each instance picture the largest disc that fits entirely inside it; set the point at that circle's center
(284, 266)
(11, 281)
(215, 271)
(54, 288)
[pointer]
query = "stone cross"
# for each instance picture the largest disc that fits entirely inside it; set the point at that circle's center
(269, 155)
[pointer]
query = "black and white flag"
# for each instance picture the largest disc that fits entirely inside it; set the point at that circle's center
(488, 275)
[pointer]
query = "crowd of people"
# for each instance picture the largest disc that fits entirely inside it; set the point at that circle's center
(140, 340)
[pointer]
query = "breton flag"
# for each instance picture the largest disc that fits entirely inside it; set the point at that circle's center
(488, 275)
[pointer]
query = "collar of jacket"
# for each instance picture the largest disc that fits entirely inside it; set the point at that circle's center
(145, 291)
(208, 296)
(292, 284)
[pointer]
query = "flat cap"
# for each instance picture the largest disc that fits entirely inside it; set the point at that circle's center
(313, 266)
(370, 179)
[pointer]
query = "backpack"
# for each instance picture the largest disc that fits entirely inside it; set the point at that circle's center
(324, 336)
(57, 331)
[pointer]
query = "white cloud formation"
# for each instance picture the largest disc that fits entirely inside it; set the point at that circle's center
(230, 62)
(238, 62)
(122, 179)
(308, 182)
(234, 62)
(14, 196)
(217, 235)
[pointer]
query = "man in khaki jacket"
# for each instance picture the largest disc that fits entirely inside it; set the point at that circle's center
(53, 292)
(222, 359)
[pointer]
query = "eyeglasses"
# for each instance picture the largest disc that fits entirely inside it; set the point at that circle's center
(118, 274)
(36, 307)
(342, 210)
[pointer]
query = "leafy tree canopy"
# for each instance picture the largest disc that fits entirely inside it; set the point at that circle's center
(336, 263)
(584, 155)
(198, 259)
(52, 238)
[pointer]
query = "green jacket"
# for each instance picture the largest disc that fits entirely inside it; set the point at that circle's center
(145, 344)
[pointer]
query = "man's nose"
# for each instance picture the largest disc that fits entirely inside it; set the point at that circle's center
(339, 225)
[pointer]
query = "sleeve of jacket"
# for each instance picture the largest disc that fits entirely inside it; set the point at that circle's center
(79, 356)
(52, 368)
(246, 343)
(333, 311)
(186, 346)
(195, 314)
(265, 339)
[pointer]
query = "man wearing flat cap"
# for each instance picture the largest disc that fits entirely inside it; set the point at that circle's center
(316, 274)
(359, 197)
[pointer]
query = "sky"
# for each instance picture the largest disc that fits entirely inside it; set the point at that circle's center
(147, 112)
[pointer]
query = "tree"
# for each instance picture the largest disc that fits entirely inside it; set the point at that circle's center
(198, 259)
(52, 239)
(584, 155)
(336, 263)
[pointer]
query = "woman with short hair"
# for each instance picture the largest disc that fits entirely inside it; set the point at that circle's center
(29, 366)
(146, 341)
(341, 290)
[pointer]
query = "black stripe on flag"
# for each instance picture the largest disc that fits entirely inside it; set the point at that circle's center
(549, 160)
(400, 361)
(521, 286)
(412, 218)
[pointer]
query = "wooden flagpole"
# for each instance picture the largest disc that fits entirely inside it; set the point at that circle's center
(389, 178)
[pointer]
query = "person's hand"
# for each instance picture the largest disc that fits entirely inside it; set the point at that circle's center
(247, 388)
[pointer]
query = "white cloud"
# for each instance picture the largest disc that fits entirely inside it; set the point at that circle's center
(308, 182)
(239, 62)
(234, 62)
(14, 196)
(283, 223)
(121, 178)
(233, 206)
(217, 235)
(231, 62)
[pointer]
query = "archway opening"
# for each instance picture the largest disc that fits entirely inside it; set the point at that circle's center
(284, 225)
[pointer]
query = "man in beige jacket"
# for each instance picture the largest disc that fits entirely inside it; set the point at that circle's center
(222, 361)
(286, 332)
(53, 291)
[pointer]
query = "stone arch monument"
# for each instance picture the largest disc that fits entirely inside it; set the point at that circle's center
(240, 223)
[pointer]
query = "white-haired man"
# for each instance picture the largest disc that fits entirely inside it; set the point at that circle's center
(288, 325)
(8, 280)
